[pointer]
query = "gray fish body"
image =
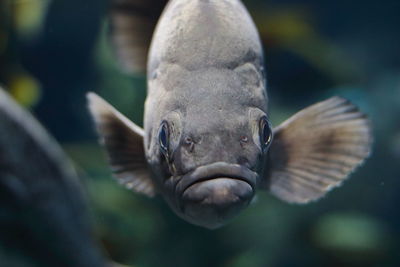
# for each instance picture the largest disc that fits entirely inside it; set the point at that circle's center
(207, 146)
(205, 74)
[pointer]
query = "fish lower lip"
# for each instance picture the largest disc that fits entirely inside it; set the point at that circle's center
(214, 171)
(214, 178)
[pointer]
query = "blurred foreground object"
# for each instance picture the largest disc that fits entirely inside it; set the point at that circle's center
(43, 218)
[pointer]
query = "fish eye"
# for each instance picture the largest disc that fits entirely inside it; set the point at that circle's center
(265, 132)
(163, 137)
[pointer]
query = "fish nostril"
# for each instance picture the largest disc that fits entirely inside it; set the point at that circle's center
(189, 144)
(243, 140)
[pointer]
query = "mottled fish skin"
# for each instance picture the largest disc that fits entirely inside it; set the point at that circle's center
(207, 141)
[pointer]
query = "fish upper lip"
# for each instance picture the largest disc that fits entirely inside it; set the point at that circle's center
(216, 170)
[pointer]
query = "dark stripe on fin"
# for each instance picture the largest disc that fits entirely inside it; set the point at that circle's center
(316, 149)
(123, 141)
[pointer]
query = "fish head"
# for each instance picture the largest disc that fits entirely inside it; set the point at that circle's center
(210, 161)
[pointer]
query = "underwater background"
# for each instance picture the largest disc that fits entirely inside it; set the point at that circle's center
(52, 52)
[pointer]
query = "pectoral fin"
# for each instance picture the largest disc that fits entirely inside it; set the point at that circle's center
(316, 149)
(123, 141)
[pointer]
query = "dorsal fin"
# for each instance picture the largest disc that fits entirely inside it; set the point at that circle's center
(132, 26)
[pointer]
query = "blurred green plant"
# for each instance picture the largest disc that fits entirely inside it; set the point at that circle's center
(28, 16)
(21, 21)
(352, 237)
(293, 30)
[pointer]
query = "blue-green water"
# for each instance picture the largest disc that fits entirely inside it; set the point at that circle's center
(53, 52)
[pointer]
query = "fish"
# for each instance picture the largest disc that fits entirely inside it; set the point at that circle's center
(45, 218)
(207, 145)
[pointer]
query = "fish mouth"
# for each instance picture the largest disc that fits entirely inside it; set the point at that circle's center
(216, 171)
(212, 194)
